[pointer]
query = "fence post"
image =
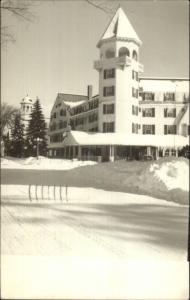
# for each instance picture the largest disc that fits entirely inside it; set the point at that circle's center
(54, 191)
(36, 191)
(60, 190)
(29, 191)
(42, 192)
(66, 192)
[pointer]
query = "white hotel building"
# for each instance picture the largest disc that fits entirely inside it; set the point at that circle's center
(131, 117)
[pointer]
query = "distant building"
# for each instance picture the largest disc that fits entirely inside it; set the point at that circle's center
(131, 117)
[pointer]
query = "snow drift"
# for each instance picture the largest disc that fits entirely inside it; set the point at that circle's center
(42, 163)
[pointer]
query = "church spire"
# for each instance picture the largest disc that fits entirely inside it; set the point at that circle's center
(120, 28)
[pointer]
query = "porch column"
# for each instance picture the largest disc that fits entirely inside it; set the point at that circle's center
(79, 153)
(74, 152)
(111, 154)
(148, 150)
(156, 153)
(176, 152)
(163, 152)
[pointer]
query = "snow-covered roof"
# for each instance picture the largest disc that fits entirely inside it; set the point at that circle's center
(165, 84)
(120, 27)
(73, 104)
(71, 97)
(26, 100)
(158, 85)
(90, 139)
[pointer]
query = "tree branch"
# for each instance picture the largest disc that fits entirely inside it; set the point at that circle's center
(102, 6)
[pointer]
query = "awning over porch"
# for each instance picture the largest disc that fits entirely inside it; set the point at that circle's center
(81, 138)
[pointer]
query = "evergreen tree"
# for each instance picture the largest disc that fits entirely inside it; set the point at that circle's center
(36, 130)
(17, 137)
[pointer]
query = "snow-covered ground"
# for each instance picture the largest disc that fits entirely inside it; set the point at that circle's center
(42, 163)
(97, 244)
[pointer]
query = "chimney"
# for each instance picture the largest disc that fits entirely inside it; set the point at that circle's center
(89, 91)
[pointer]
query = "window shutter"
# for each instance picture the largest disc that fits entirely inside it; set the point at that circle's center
(165, 129)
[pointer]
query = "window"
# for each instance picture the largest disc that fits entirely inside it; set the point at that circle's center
(108, 127)
(108, 109)
(93, 118)
(135, 92)
(53, 127)
(148, 129)
(148, 112)
(123, 51)
(62, 124)
(135, 128)
(56, 138)
(135, 75)
(135, 56)
(170, 129)
(186, 97)
(169, 112)
(110, 53)
(169, 97)
(135, 110)
(62, 112)
(108, 91)
(148, 96)
(109, 73)
(54, 115)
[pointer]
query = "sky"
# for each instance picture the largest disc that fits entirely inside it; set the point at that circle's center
(55, 53)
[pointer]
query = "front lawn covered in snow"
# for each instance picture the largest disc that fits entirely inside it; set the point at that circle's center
(167, 178)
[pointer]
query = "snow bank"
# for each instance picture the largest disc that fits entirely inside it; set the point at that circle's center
(78, 195)
(42, 163)
(174, 174)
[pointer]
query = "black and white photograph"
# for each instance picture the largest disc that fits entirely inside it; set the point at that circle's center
(95, 149)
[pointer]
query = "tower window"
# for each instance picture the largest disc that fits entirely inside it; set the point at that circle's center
(135, 110)
(109, 73)
(148, 96)
(148, 112)
(135, 75)
(135, 56)
(108, 91)
(135, 128)
(135, 92)
(108, 127)
(148, 129)
(108, 109)
(123, 51)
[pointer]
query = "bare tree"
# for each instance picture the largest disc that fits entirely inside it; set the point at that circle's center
(106, 6)
(8, 113)
(20, 9)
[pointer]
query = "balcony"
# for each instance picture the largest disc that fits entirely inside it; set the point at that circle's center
(112, 62)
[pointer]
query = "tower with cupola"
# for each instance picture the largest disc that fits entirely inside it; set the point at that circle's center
(119, 70)
(25, 111)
